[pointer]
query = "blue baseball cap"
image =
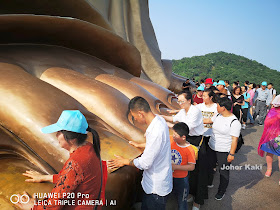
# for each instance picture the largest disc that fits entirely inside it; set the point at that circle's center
(221, 82)
(69, 120)
(200, 88)
(264, 83)
(215, 83)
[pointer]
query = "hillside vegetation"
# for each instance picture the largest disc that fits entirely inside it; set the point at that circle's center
(226, 66)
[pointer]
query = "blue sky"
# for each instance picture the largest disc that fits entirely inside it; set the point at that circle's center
(251, 28)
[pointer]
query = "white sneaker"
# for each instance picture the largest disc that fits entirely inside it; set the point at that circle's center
(243, 126)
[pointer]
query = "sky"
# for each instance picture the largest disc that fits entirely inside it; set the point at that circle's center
(250, 28)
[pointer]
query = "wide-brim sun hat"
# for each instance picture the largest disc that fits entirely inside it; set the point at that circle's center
(69, 120)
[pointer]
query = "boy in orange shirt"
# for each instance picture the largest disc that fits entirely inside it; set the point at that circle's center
(183, 160)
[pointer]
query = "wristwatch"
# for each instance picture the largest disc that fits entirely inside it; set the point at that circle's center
(231, 154)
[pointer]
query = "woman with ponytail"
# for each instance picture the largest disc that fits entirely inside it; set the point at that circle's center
(81, 174)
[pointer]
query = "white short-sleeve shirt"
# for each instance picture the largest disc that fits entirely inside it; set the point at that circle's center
(222, 130)
(207, 112)
(193, 119)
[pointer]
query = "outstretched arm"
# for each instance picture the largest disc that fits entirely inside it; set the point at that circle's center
(66, 181)
(172, 111)
(167, 118)
(37, 177)
(119, 162)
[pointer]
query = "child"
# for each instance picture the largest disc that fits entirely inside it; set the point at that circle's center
(183, 160)
(197, 98)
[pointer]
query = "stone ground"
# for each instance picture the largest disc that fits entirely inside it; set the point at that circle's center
(248, 189)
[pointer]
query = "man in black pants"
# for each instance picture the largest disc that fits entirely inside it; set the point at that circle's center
(223, 142)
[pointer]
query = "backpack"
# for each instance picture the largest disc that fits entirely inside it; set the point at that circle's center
(240, 141)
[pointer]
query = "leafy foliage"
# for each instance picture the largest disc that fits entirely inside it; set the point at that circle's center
(226, 66)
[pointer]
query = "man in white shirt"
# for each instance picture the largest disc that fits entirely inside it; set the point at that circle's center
(156, 158)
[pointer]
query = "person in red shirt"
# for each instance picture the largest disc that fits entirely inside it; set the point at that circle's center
(197, 98)
(78, 184)
(183, 160)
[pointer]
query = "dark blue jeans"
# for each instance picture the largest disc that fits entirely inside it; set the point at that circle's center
(153, 201)
(181, 190)
(249, 116)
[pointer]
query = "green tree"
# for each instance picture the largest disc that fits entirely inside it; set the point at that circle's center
(226, 66)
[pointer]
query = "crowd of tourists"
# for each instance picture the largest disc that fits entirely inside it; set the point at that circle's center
(205, 137)
(206, 132)
(250, 101)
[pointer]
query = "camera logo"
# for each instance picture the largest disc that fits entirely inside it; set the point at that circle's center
(19, 199)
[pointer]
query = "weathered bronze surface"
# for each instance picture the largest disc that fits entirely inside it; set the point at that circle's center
(76, 54)
(16, 158)
(71, 33)
(30, 105)
(131, 89)
(35, 59)
(166, 96)
(79, 9)
(92, 93)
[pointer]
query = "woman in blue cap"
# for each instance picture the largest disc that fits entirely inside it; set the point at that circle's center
(81, 174)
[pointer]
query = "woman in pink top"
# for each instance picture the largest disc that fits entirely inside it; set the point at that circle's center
(251, 92)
